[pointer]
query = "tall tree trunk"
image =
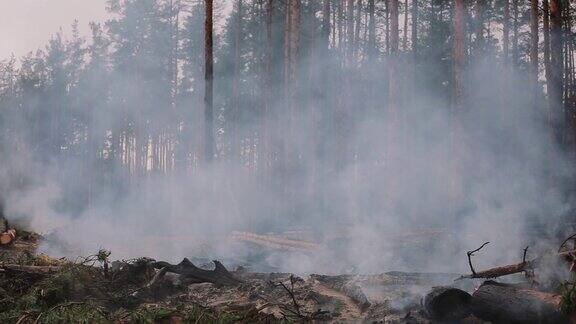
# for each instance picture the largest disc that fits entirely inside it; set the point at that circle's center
(387, 3)
(534, 42)
(555, 83)
(372, 29)
(350, 31)
(292, 41)
(394, 45)
(415, 29)
(459, 53)
(236, 137)
(457, 103)
(267, 87)
(479, 42)
(515, 26)
(506, 32)
(546, 32)
(357, 29)
(393, 95)
(209, 141)
(405, 29)
(341, 45)
(326, 25)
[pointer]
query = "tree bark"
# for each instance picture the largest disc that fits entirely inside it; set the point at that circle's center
(267, 87)
(235, 133)
(350, 31)
(392, 68)
(547, 68)
(506, 32)
(209, 141)
(501, 303)
(459, 53)
(515, 26)
(447, 304)
(479, 42)
(555, 83)
(291, 51)
(415, 29)
(357, 29)
(534, 42)
(372, 29)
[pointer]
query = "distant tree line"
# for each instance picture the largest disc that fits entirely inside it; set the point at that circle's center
(291, 78)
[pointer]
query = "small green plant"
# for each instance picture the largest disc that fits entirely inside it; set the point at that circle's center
(568, 301)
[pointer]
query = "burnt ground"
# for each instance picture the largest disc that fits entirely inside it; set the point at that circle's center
(91, 290)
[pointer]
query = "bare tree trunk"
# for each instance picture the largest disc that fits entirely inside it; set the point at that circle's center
(515, 33)
(555, 83)
(267, 87)
(372, 29)
(292, 41)
(405, 29)
(387, 2)
(350, 31)
(457, 102)
(236, 141)
(506, 32)
(415, 29)
(534, 41)
(393, 95)
(357, 28)
(326, 25)
(341, 28)
(479, 42)
(459, 53)
(209, 142)
(547, 69)
(394, 45)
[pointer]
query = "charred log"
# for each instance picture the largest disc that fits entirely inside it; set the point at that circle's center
(448, 304)
(503, 303)
(220, 276)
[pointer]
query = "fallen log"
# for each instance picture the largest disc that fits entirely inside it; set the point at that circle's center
(275, 242)
(220, 276)
(7, 237)
(502, 271)
(447, 304)
(504, 303)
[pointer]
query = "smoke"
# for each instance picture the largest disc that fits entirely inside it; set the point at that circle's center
(405, 197)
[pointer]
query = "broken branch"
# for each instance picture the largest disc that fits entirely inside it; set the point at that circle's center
(471, 253)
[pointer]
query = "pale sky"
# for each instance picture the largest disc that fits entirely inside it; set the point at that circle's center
(26, 25)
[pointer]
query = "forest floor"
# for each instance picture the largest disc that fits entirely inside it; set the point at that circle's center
(35, 288)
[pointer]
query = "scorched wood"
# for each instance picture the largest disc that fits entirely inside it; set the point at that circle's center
(220, 276)
(503, 303)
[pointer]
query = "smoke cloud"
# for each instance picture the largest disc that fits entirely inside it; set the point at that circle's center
(404, 198)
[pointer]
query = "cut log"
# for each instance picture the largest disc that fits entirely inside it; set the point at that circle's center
(503, 271)
(503, 303)
(220, 276)
(447, 304)
(7, 237)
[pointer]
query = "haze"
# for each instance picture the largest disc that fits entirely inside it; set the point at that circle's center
(26, 25)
